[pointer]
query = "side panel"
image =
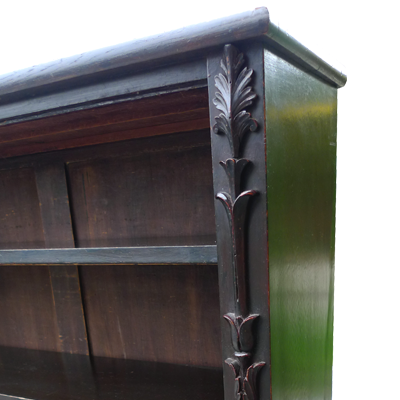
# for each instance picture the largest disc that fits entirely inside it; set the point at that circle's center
(301, 179)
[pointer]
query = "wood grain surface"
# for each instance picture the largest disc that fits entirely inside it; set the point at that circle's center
(26, 309)
(56, 219)
(163, 192)
(20, 219)
(154, 313)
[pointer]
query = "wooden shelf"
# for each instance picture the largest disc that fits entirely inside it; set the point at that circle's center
(39, 375)
(112, 256)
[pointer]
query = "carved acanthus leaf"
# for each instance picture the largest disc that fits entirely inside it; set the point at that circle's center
(234, 94)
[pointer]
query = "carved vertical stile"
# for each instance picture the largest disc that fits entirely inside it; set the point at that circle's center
(233, 95)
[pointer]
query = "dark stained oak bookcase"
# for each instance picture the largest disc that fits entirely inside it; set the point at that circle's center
(133, 242)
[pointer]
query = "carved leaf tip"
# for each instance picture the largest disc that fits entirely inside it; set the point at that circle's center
(243, 94)
(241, 331)
(240, 203)
(226, 200)
(234, 167)
(243, 198)
(234, 365)
(250, 381)
(231, 61)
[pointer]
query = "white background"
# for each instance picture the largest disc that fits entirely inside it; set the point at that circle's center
(359, 38)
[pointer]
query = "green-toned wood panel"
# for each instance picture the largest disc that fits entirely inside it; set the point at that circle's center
(301, 182)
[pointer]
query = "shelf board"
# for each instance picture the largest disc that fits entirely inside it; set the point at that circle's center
(112, 255)
(43, 375)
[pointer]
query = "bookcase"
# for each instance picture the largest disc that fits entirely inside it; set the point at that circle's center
(167, 219)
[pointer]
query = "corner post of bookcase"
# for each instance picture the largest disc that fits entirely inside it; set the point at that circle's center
(236, 101)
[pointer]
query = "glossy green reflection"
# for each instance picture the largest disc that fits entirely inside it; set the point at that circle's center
(301, 174)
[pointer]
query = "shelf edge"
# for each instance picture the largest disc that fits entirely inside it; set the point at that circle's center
(112, 256)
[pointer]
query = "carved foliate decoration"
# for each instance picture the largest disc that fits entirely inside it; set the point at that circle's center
(233, 95)
(245, 377)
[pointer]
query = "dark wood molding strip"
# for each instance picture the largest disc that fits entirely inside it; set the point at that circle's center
(112, 255)
(101, 93)
(116, 61)
(181, 140)
(285, 44)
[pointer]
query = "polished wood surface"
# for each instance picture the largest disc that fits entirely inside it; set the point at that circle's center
(301, 169)
(39, 375)
(153, 313)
